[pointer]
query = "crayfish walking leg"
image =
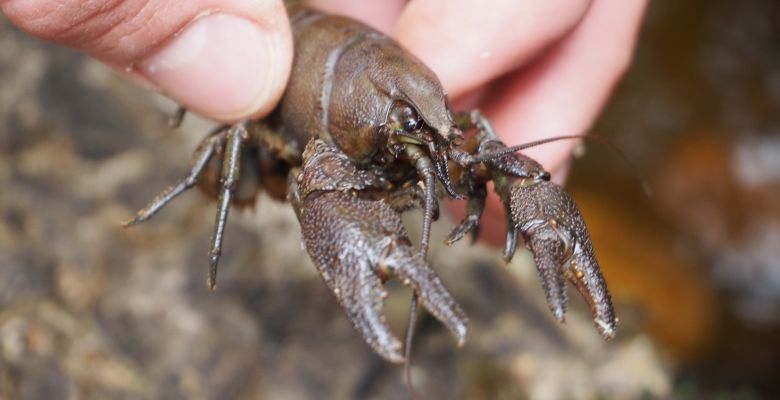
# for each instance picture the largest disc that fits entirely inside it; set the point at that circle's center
(232, 139)
(215, 167)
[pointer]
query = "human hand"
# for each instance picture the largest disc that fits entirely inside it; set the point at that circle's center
(536, 68)
(224, 59)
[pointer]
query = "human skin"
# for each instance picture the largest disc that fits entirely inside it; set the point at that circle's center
(536, 68)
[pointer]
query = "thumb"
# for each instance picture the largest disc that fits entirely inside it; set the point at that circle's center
(225, 59)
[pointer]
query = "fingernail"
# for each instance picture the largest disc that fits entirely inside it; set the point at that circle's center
(221, 65)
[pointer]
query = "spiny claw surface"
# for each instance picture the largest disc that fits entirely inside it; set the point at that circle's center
(356, 244)
(555, 233)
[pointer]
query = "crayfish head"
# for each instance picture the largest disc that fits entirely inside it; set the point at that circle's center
(420, 113)
(405, 127)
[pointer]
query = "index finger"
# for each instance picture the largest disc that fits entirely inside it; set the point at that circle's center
(468, 45)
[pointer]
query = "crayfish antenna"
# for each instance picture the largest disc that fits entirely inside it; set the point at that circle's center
(508, 150)
(408, 346)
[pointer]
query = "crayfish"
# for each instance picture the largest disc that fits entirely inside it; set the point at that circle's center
(364, 132)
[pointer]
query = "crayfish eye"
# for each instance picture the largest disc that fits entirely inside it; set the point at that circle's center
(410, 125)
(405, 118)
(411, 121)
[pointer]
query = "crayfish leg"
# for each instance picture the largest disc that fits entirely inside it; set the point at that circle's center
(200, 159)
(470, 223)
(231, 163)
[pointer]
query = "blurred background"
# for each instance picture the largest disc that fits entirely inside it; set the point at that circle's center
(89, 310)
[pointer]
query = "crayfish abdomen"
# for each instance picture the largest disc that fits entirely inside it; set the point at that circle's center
(364, 132)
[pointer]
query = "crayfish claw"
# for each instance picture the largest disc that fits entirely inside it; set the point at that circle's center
(556, 235)
(344, 239)
(358, 243)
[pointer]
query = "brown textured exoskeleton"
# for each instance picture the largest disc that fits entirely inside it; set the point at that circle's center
(364, 132)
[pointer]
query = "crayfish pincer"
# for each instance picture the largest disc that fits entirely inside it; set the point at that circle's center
(364, 132)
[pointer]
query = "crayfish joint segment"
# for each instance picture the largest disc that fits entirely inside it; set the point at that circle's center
(230, 173)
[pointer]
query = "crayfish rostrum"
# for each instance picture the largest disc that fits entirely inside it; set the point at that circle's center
(364, 132)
